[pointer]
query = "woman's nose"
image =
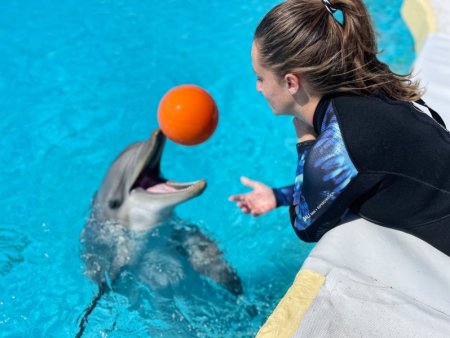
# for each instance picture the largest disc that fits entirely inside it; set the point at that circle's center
(258, 86)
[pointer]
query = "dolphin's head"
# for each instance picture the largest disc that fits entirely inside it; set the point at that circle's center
(134, 192)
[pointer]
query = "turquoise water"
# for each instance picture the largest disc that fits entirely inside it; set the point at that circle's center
(79, 81)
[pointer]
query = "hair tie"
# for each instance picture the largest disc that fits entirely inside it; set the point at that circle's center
(339, 16)
(329, 7)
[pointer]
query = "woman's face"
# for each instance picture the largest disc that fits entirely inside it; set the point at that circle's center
(274, 89)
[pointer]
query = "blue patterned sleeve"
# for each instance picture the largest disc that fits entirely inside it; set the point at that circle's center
(321, 177)
(285, 195)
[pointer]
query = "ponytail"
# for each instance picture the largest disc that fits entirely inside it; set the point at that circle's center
(335, 56)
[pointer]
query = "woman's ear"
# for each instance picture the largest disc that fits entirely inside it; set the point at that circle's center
(293, 83)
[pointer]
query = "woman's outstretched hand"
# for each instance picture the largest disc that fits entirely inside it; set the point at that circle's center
(256, 202)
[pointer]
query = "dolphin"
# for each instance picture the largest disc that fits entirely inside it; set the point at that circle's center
(133, 206)
(135, 194)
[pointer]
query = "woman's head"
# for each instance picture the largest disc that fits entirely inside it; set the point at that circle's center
(302, 37)
(274, 88)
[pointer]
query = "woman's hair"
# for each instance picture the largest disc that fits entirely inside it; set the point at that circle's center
(303, 37)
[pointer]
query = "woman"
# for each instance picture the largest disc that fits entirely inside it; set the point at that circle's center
(362, 143)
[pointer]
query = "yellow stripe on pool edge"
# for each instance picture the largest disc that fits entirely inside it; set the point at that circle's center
(420, 18)
(288, 314)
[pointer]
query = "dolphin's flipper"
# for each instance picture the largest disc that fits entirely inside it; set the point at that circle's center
(206, 258)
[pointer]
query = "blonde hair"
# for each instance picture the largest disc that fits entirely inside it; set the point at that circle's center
(303, 37)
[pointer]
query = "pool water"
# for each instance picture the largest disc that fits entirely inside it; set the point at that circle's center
(79, 81)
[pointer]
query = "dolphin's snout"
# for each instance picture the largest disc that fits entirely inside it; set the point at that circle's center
(158, 135)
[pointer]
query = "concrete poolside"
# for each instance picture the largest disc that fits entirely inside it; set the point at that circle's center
(429, 22)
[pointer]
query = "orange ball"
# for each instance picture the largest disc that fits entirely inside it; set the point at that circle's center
(187, 115)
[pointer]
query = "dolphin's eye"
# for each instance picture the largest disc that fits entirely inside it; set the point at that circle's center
(114, 204)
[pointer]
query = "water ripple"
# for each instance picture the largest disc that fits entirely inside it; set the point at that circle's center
(12, 245)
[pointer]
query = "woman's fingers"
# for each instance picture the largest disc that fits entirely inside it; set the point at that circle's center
(248, 182)
(234, 198)
(248, 207)
(246, 202)
(245, 210)
(243, 203)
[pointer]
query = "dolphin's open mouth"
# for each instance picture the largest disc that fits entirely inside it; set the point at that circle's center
(149, 177)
